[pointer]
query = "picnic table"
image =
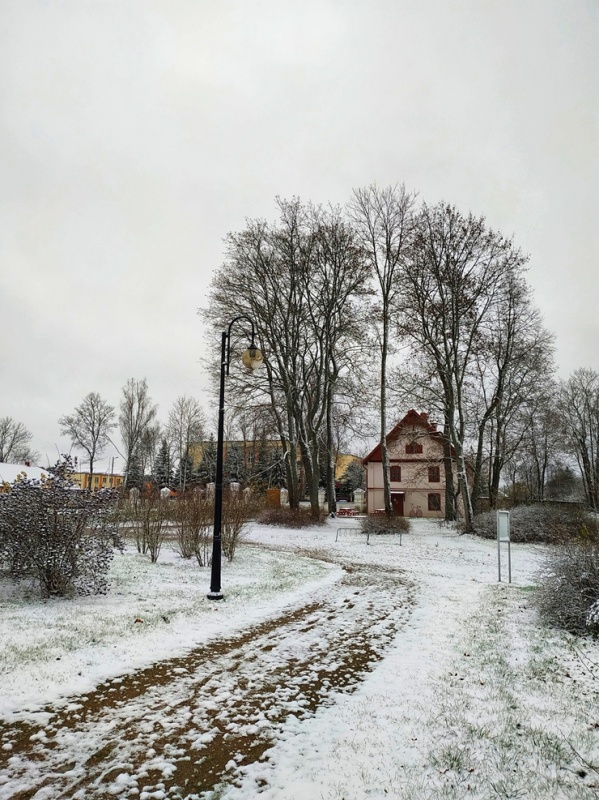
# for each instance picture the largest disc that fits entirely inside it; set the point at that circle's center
(348, 512)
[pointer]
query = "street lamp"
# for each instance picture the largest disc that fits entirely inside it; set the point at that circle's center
(251, 358)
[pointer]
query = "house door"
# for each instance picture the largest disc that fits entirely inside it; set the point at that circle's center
(397, 503)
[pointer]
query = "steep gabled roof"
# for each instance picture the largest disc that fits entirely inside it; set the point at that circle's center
(411, 418)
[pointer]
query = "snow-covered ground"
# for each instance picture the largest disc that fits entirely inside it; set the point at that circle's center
(332, 670)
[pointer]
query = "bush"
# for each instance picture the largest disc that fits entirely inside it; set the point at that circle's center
(539, 523)
(194, 513)
(60, 537)
(152, 515)
(237, 510)
(383, 523)
(289, 517)
(568, 594)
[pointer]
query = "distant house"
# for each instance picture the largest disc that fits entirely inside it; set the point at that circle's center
(252, 454)
(9, 473)
(417, 475)
(101, 480)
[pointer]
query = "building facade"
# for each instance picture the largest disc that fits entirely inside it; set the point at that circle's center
(417, 474)
(100, 480)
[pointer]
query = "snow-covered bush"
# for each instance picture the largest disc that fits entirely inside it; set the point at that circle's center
(568, 593)
(539, 523)
(289, 517)
(384, 523)
(56, 535)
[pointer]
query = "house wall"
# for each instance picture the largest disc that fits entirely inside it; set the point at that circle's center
(101, 480)
(414, 484)
(416, 490)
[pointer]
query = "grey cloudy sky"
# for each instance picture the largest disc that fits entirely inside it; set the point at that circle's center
(134, 135)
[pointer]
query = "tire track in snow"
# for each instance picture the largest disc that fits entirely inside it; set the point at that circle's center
(181, 727)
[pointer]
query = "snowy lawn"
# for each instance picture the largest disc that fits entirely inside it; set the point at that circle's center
(55, 648)
(465, 695)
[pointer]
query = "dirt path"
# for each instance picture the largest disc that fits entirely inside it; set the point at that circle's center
(182, 727)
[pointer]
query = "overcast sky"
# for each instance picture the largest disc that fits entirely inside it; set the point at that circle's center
(135, 135)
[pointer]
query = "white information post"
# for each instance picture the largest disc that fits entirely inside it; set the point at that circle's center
(503, 535)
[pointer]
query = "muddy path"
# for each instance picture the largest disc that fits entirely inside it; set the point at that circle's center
(182, 727)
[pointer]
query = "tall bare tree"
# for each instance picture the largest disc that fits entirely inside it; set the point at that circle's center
(538, 432)
(186, 424)
(383, 220)
(511, 370)
(336, 287)
(14, 442)
(299, 280)
(455, 281)
(137, 415)
(578, 404)
(89, 427)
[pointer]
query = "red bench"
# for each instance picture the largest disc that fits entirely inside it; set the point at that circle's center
(348, 512)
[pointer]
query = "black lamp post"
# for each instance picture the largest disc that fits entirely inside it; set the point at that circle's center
(252, 358)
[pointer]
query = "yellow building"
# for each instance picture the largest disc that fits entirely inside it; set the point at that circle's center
(100, 480)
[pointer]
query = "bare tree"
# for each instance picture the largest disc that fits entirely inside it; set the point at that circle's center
(137, 416)
(578, 404)
(299, 280)
(186, 424)
(89, 427)
(456, 278)
(541, 443)
(511, 368)
(383, 222)
(337, 285)
(148, 448)
(14, 442)
(260, 278)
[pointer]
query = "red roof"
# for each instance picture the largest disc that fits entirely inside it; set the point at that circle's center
(411, 418)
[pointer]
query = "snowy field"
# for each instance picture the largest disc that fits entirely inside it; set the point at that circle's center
(332, 670)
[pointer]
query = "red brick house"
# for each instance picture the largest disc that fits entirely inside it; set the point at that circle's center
(416, 469)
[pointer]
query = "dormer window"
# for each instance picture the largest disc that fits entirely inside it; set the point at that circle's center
(413, 448)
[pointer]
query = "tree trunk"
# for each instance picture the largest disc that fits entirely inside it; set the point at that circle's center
(312, 479)
(495, 478)
(478, 468)
(383, 440)
(450, 510)
(331, 493)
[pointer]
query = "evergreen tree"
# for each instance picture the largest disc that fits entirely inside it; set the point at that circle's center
(135, 477)
(352, 478)
(206, 472)
(258, 477)
(183, 476)
(276, 467)
(163, 469)
(234, 466)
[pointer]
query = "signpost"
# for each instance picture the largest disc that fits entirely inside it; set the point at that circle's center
(503, 535)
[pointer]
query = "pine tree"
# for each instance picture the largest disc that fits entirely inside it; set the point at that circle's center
(183, 476)
(135, 476)
(276, 467)
(163, 469)
(234, 466)
(206, 472)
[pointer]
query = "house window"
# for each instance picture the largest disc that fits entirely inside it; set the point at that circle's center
(395, 474)
(434, 475)
(434, 502)
(412, 448)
